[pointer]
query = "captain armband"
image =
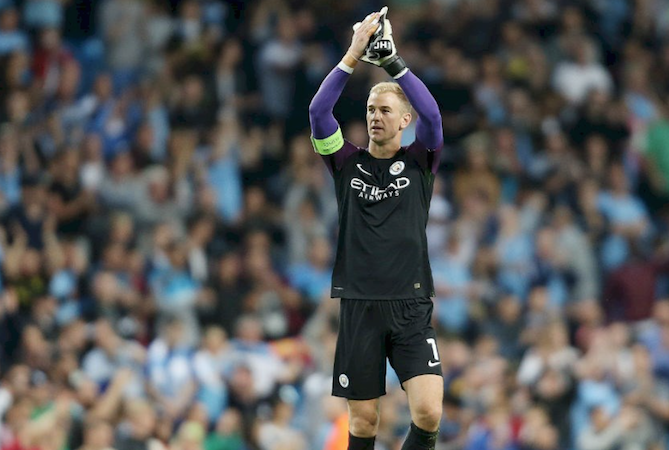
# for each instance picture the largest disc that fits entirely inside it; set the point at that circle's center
(328, 145)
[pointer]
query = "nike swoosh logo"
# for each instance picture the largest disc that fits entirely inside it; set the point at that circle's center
(433, 363)
(363, 170)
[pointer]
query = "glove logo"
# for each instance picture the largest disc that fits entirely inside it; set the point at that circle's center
(380, 49)
(397, 168)
(343, 380)
(383, 44)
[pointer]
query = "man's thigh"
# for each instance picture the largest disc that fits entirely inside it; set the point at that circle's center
(412, 350)
(360, 357)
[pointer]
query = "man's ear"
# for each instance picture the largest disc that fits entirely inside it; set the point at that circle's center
(405, 121)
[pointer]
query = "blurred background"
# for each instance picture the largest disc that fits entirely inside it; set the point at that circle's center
(167, 231)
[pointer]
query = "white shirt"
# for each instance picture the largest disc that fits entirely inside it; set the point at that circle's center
(576, 81)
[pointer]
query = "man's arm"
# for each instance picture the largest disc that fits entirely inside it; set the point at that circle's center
(428, 126)
(429, 130)
(323, 123)
(326, 135)
(382, 52)
(325, 131)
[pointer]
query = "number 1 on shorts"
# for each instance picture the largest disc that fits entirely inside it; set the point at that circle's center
(433, 344)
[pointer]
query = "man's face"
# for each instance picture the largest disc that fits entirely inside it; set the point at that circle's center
(385, 117)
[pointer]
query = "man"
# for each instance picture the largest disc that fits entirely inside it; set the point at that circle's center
(382, 272)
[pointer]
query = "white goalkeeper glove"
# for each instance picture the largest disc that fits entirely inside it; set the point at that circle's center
(381, 50)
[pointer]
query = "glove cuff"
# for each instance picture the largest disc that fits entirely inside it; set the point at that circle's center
(394, 66)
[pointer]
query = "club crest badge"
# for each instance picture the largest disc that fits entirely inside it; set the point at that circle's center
(343, 380)
(397, 168)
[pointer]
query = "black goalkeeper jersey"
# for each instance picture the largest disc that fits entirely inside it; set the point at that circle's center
(383, 211)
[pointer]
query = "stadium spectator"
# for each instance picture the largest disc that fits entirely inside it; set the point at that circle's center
(155, 160)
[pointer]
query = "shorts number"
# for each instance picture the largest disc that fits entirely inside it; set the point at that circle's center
(433, 344)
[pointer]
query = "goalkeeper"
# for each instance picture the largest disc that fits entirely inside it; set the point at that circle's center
(382, 273)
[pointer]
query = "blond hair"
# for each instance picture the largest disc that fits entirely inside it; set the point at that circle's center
(389, 86)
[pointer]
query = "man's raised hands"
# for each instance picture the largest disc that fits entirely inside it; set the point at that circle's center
(362, 32)
(380, 49)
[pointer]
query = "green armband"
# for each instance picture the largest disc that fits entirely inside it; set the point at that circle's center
(328, 145)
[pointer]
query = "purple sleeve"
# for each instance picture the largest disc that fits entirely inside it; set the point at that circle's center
(429, 130)
(323, 122)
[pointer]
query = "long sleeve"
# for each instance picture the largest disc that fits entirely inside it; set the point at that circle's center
(323, 122)
(325, 133)
(429, 130)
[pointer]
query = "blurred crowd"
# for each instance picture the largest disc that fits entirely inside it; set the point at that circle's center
(167, 232)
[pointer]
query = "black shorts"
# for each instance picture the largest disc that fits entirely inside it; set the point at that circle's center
(371, 331)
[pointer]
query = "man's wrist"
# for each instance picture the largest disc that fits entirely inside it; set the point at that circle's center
(350, 60)
(395, 66)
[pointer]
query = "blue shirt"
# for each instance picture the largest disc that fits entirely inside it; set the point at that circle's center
(621, 210)
(313, 282)
(10, 186)
(225, 179)
(452, 310)
(13, 41)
